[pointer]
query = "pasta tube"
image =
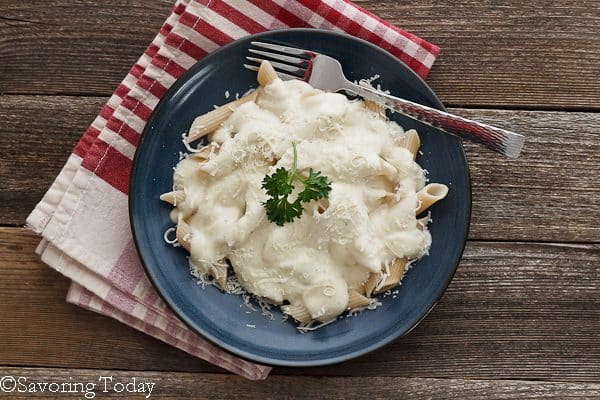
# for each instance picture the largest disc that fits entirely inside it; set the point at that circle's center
(298, 312)
(219, 274)
(175, 197)
(357, 300)
(184, 234)
(204, 153)
(377, 108)
(410, 141)
(394, 276)
(266, 74)
(429, 195)
(371, 283)
(209, 122)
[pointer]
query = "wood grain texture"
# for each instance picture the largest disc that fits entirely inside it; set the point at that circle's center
(38, 134)
(551, 191)
(507, 53)
(173, 385)
(549, 194)
(39, 328)
(74, 47)
(513, 311)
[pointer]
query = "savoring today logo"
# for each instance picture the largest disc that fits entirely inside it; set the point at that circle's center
(88, 389)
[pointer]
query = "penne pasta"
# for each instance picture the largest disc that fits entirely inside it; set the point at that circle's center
(298, 312)
(209, 122)
(357, 300)
(371, 283)
(219, 274)
(204, 153)
(184, 234)
(266, 74)
(410, 141)
(360, 289)
(392, 279)
(175, 197)
(377, 108)
(429, 195)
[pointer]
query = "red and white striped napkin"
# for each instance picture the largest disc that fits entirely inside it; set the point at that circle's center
(83, 217)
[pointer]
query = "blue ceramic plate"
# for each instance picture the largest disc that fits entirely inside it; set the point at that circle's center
(219, 317)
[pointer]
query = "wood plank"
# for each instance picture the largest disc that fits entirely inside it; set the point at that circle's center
(174, 385)
(74, 47)
(513, 311)
(38, 134)
(551, 191)
(549, 194)
(45, 330)
(511, 54)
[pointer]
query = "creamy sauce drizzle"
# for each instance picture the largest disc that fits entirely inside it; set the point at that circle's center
(367, 222)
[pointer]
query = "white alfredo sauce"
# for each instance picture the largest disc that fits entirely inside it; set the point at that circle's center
(369, 218)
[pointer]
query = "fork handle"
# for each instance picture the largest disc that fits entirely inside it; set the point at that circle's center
(497, 139)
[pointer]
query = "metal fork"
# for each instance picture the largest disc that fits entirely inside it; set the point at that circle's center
(326, 73)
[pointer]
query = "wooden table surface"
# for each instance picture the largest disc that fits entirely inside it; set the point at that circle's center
(521, 317)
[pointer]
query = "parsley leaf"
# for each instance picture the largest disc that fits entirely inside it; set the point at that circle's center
(279, 186)
(316, 187)
(280, 210)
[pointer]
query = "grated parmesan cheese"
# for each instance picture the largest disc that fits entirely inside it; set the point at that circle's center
(187, 145)
(173, 241)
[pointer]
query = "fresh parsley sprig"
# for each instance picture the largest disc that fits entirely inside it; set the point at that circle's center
(279, 186)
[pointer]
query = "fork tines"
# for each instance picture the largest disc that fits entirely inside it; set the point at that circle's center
(288, 62)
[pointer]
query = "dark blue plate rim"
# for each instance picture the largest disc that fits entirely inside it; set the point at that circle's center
(215, 339)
